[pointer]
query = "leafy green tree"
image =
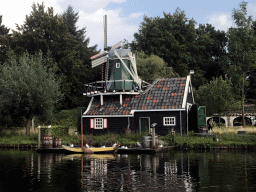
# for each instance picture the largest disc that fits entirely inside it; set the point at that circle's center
(175, 39)
(4, 36)
(153, 65)
(217, 96)
(58, 34)
(83, 72)
(242, 50)
(169, 38)
(28, 87)
(211, 51)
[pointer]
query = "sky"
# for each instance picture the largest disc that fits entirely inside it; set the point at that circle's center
(125, 16)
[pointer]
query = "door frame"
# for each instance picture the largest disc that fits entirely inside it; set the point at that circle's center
(140, 122)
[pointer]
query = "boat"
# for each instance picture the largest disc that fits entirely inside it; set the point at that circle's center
(90, 150)
(89, 156)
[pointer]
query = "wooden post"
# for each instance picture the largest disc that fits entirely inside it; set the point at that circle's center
(39, 137)
(153, 138)
(82, 139)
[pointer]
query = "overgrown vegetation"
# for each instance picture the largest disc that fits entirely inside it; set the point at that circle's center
(224, 139)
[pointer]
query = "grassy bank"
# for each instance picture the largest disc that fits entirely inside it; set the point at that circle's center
(224, 137)
(17, 136)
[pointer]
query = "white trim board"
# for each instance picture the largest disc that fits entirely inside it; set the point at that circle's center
(151, 110)
(96, 116)
(89, 106)
(186, 91)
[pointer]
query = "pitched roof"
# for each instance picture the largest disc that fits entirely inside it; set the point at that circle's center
(162, 94)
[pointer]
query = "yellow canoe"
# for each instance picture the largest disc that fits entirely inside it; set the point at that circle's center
(89, 156)
(89, 150)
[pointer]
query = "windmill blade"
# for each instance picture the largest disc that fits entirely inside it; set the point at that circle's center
(99, 61)
(133, 63)
(117, 46)
(136, 79)
(99, 55)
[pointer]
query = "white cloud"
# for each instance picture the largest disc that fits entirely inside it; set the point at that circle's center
(221, 21)
(15, 11)
(251, 10)
(117, 28)
(91, 6)
(135, 15)
(91, 14)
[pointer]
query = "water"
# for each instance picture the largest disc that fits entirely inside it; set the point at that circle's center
(174, 171)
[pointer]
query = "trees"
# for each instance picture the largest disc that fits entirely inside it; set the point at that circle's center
(242, 50)
(4, 35)
(43, 30)
(211, 52)
(217, 96)
(153, 65)
(28, 86)
(175, 39)
(170, 38)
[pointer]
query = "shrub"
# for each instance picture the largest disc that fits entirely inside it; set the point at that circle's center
(56, 131)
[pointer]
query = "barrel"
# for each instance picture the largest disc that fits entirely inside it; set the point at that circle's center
(203, 130)
(146, 141)
(47, 141)
(57, 142)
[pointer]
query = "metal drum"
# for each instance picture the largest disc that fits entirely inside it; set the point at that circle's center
(203, 130)
(146, 141)
(57, 142)
(47, 142)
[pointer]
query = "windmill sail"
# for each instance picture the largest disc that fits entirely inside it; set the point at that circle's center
(99, 59)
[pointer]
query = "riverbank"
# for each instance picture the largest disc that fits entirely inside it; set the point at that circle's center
(225, 138)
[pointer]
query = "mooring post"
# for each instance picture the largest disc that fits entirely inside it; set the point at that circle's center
(39, 137)
(153, 138)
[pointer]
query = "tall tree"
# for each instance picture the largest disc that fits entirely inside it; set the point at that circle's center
(169, 38)
(217, 96)
(153, 65)
(28, 86)
(43, 30)
(175, 39)
(4, 36)
(242, 50)
(211, 52)
(83, 73)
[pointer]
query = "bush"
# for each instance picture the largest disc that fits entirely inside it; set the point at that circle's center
(56, 131)
(67, 118)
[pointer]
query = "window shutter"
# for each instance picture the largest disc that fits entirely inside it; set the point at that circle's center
(105, 123)
(92, 124)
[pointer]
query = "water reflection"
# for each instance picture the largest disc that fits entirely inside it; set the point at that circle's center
(175, 171)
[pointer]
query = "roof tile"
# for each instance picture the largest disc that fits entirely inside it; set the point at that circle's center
(163, 94)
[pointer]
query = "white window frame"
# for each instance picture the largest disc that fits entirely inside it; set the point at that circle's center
(117, 65)
(98, 123)
(169, 121)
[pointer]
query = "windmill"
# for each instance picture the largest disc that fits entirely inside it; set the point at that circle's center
(119, 71)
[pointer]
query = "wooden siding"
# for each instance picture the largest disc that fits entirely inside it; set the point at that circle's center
(157, 117)
(115, 125)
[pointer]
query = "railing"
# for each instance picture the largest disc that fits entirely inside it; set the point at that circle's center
(111, 86)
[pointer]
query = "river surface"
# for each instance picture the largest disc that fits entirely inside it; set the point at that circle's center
(26, 170)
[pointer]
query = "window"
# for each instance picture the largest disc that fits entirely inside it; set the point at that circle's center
(117, 65)
(169, 121)
(98, 123)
